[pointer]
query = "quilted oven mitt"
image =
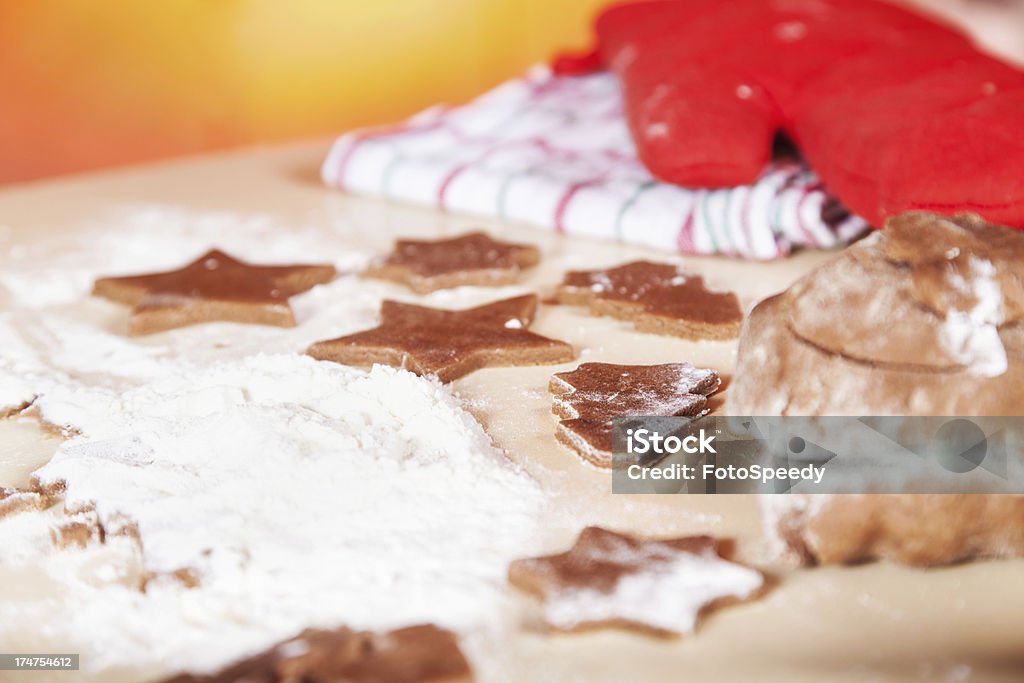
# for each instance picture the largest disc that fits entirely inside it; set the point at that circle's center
(893, 110)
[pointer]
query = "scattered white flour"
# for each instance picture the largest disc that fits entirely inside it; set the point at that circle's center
(300, 493)
(14, 392)
(973, 336)
(668, 594)
(148, 237)
(781, 515)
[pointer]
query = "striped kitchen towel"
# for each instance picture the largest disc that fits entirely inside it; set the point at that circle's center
(555, 152)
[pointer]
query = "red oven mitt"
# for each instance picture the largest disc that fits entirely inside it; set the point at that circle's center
(894, 111)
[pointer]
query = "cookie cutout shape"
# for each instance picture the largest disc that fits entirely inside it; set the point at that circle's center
(609, 579)
(213, 287)
(588, 398)
(446, 343)
(416, 654)
(657, 297)
(471, 259)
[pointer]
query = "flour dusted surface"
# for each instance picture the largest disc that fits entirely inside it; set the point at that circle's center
(298, 492)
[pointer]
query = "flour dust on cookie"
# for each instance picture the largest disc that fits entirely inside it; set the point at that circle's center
(475, 258)
(658, 297)
(588, 398)
(215, 286)
(612, 579)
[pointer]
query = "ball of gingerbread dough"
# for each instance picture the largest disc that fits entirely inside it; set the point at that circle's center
(923, 318)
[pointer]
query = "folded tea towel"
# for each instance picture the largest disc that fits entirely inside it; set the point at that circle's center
(555, 152)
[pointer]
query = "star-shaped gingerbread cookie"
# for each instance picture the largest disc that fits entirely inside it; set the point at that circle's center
(213, 287)
(662, 587)
(588, 398)
(657, 297)
(446, 343)
(471, 259)
(415, 654)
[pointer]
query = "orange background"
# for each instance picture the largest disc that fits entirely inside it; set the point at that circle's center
(89, 83)
(92, 83)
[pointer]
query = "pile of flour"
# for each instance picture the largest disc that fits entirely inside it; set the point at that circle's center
(299, 493)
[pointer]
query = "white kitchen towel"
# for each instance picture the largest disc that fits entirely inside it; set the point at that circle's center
(555, 152)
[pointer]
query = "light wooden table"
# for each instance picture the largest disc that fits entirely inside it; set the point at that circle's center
(868, 623)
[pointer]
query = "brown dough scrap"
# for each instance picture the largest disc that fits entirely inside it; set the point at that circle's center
(80, 530)
(33, 497)
(588, 398)
(448, 344)
(11, 411)
(213, 287)
(83, 527)
(471, 259)
(14, 500)
(867, 334)
(658, 298)
(661, 587)
(416, 654)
